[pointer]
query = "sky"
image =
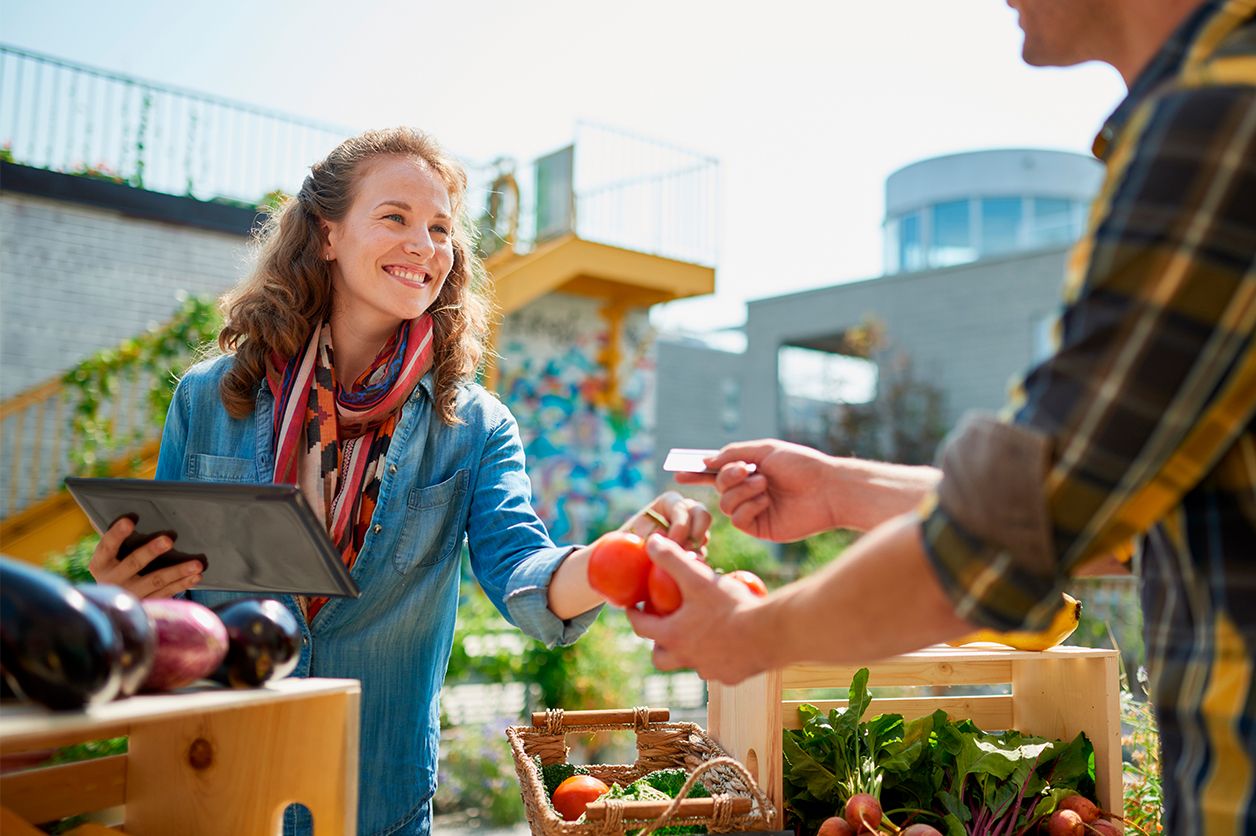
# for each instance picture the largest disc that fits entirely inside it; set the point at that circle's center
(807, 104)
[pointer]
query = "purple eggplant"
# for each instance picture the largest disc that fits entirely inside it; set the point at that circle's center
(134, 627)
(56, 647)
(191, 643)
(264, 642)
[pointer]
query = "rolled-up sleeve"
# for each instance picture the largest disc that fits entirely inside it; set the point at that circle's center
(511, 552)
(1153, 379)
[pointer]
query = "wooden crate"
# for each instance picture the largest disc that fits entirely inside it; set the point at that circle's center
(1055, 693)
(204, 760)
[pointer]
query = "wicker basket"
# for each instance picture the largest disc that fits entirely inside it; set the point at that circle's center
(736, 802)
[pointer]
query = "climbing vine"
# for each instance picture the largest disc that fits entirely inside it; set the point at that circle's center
(158, 356)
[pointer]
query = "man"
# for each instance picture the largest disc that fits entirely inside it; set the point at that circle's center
(1140, 425)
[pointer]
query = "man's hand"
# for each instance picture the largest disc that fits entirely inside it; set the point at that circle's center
(726, 633)
(792, 491)
(164, 583)
(712, 631)
(784, 497)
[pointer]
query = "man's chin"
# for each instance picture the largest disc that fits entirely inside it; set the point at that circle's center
(1035, 57)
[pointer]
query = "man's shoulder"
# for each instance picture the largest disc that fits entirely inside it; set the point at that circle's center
(1241, 43)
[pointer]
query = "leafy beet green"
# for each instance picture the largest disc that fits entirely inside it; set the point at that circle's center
(954, 775)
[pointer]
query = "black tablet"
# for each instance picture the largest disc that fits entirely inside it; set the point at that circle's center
(248, 538)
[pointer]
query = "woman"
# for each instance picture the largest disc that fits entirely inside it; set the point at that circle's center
(368, 278)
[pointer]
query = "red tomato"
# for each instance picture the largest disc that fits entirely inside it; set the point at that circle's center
(576, 793)
(619, 567)
(752, 581)
(664, 592)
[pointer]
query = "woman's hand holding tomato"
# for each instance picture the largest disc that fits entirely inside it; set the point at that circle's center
(620, 569)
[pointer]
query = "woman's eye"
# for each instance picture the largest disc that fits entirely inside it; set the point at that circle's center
(441, 229)
(395, 217)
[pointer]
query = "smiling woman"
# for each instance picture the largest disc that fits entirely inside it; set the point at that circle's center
(348, 369)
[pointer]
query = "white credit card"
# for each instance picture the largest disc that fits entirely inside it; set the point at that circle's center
(690, 460)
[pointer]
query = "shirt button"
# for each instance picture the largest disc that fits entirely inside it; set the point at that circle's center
(378, 528)
(392, 468)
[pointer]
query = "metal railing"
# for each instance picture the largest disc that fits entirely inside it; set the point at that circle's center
(68, 117)
(618, 188)
(38, 444)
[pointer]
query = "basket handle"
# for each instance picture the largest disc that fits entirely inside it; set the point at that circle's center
(664, 811)
(558, 718)
(689, 807)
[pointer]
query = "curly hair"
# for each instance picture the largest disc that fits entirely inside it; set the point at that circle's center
(288, 293)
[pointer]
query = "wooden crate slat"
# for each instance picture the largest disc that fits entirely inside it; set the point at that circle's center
(991, 712)
(56, 740)
(54, 792)
(913, 670)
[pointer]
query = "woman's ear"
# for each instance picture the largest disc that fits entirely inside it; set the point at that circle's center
(325, 231)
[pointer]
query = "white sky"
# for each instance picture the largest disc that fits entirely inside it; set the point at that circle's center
(808, 104)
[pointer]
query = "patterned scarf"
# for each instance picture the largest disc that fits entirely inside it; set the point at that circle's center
(332, 442)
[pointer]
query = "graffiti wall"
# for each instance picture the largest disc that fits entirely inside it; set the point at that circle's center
(589, 455)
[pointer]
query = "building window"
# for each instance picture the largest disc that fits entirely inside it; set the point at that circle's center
(1001, 219)
(911, 255)
(952, 238)
(1053, 221)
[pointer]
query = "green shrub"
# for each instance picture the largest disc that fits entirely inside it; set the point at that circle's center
(476, 774)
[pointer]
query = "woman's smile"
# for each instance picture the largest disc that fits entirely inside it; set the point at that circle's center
(408, 275)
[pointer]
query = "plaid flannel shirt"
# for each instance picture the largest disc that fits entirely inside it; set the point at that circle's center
(1142, 424)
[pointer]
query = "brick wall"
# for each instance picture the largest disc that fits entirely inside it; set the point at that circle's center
(75, 279)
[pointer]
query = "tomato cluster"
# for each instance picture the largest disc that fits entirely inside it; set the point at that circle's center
(620, 569)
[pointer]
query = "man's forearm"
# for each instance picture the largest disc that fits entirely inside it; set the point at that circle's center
(878, 599)
(869, 493)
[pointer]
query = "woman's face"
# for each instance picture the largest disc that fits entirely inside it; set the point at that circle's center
(393, 249)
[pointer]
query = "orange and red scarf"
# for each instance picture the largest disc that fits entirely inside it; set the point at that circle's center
(332, 441)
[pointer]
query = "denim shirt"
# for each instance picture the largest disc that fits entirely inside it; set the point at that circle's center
(440, 484)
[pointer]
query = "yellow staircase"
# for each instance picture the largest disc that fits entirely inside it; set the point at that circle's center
(39, 516)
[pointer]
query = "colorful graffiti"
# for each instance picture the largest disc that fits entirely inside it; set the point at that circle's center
(590, 464)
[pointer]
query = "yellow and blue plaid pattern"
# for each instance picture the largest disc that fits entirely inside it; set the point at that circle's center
(1149, 403)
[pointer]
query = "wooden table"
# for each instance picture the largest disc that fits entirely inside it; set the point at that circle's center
(203, 760)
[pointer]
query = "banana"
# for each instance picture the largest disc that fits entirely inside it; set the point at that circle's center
(1061, 627)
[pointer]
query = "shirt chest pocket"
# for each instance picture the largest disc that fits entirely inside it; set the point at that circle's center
(205, 468)
(432, 530)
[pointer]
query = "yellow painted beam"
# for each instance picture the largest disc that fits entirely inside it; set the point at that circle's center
(572, 265)
(55, 523)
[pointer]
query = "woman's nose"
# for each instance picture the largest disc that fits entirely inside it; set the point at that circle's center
(421, 244)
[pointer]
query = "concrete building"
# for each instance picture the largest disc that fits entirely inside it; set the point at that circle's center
(975, 247)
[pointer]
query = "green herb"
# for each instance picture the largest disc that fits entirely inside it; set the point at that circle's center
(553, 774)
(671, 780)
(645, 789)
